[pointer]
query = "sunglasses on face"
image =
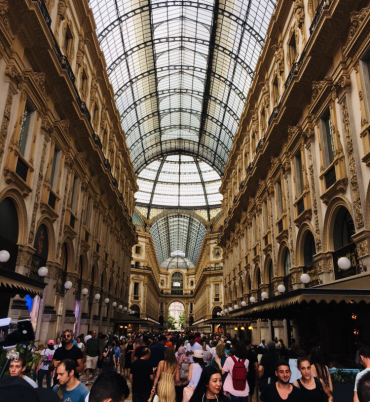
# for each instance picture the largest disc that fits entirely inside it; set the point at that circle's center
(66, 336)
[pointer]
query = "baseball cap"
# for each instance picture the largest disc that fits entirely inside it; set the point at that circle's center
(50, 342)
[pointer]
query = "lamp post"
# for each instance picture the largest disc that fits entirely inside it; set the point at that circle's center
(281, 289)
(305, 278)
(67, 285)
(42, 271)
(4, 257)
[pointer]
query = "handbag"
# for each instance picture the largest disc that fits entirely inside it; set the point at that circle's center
(184, 370)
(188, 393)
(156, 398)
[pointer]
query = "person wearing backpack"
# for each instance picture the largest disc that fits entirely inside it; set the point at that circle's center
(109, 358)
(237, 368)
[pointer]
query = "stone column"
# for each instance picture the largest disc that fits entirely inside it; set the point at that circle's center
(47, 328)
(68, 316)
(84, 309)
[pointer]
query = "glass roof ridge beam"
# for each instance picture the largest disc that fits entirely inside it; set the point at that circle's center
(155, 185)
(207, 86)
(204, 188)
(109, 28)
(179, 67)
(176, 207)
(174, 39)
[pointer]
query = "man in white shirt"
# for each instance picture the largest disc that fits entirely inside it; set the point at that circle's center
(88, 336)
(191, 347)
(16, 369)
(263, 344)
(364, 353)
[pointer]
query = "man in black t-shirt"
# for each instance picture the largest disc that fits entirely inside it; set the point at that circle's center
(282, 390)
(141, 377)
(68, 351)
(139, 349)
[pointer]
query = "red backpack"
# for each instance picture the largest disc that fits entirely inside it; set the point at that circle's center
(239, 374)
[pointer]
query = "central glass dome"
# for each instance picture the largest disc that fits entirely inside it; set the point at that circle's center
(179, 181)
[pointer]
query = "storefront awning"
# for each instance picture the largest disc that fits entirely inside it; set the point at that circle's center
(126, 319)
(15, 283)
(352, 290)
(225, 321)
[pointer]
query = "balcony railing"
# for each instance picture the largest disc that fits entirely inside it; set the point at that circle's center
(311, 270)
(64, 63)
(294, 70)
(348, 251)
(324, 5)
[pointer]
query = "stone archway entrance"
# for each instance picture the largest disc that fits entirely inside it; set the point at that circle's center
(176, 316)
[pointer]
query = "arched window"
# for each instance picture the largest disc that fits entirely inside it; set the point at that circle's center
(287, 263)
(215, 311)
(344, 229)
(258, 283)
(80, 266)
(270, 278)
(9, 228)
(309, 248)
(177, 283)
(136, 310)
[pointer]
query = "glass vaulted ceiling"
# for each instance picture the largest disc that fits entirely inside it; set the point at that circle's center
(181, 71)
(178, 181)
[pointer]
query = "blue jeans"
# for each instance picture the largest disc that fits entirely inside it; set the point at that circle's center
(238, 398)
(40, 378)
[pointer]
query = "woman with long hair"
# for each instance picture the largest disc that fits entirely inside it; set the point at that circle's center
(195, 371)
(207, 356)
(58, 343)
(239, 355)
(319, 369)
(312, 388)
(128, 353)
(221, 353)
(209, 387)
(167, 374)
(184, 363)
(43, 366)
(122, 347)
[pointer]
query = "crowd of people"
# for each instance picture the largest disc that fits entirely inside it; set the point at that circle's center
(176, 367)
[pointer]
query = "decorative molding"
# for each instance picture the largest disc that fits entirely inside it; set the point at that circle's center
(352, 166)
(5, 122)
(37, 193)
